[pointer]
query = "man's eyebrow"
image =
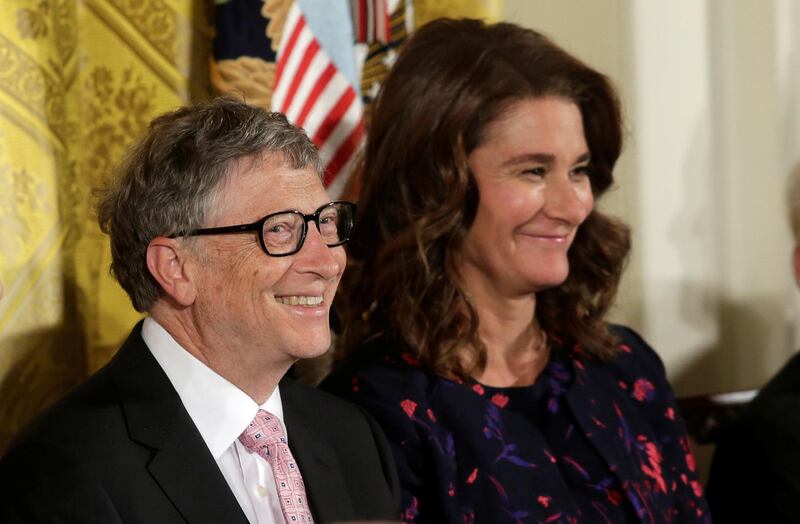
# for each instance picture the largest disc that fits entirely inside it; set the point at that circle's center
(541, 158)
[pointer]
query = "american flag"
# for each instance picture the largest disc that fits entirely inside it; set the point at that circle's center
(312, 68)
(314, 94)
(371, 21)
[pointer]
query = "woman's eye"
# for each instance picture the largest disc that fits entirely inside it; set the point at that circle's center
(535, 171)
(581, 171)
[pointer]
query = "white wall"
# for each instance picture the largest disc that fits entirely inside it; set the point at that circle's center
(712, 105)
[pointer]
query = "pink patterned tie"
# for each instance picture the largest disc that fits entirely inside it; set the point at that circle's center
(264, 435)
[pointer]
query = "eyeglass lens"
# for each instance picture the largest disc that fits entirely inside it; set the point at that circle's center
(283, 232)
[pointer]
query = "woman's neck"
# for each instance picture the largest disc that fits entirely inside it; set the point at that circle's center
(516, 346)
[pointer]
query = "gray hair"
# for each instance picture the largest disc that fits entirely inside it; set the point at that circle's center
(168, 181)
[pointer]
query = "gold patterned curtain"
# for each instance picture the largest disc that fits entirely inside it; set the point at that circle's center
(427, 10)
(79, 81)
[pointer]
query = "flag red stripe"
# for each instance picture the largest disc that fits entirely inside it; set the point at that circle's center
(322, 82)
(363, 21)
(343, 154)
(286, 51)
(333, 116)
(308, 56)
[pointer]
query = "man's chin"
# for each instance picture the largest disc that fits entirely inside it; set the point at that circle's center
(314, 349)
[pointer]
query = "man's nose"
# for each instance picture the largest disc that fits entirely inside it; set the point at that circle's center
(316, 257)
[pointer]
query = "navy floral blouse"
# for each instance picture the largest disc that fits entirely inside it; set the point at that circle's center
(589, 442)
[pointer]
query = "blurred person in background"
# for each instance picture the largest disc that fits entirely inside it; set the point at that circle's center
(222, 231)
(755, 470)
(480, 273)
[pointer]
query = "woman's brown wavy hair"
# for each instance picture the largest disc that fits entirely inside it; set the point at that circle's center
(418, 197)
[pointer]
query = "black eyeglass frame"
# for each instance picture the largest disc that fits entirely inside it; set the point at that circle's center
(258, 227)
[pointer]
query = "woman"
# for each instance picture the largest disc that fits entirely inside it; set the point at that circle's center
(473, 309)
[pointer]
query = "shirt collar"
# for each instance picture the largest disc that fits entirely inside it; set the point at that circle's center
(220, 410)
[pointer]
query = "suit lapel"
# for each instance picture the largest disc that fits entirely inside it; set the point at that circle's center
(325, 486)
(181, 463)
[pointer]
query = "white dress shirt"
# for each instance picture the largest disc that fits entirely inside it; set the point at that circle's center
(221, 412)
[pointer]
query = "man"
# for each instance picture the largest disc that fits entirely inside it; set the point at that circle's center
(222, 232)
(755, 471)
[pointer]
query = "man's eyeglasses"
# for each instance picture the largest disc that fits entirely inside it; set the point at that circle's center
(282, 234)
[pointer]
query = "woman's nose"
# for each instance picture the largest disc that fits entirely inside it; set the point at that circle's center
(568, 200)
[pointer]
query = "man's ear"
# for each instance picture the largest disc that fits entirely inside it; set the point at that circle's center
(167, 260)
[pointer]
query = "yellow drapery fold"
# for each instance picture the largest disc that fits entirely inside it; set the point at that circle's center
(79, 81)
(427, 10)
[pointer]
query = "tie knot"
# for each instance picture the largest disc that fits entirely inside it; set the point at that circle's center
(265, 429)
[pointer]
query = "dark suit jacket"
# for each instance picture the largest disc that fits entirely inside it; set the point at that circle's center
(755, 472)
(122, 448)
